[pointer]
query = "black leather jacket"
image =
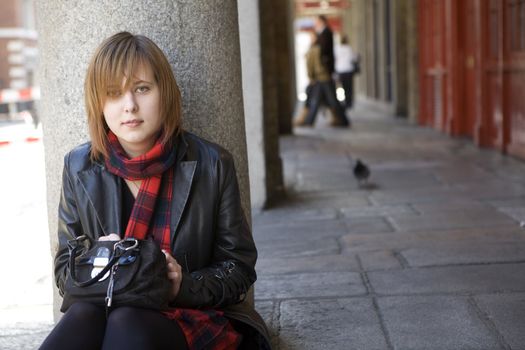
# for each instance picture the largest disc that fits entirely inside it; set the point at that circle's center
(210, 239)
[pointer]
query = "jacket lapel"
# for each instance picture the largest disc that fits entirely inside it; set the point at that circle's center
(182, 185)
(183, 179)
(103, 191)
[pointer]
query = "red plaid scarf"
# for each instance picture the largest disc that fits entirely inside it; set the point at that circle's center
(203, 329)
(155, 169)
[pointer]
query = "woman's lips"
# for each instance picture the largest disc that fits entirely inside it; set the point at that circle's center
(132, 123)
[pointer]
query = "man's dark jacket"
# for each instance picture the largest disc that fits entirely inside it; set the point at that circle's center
(210, 237)
(326, 42)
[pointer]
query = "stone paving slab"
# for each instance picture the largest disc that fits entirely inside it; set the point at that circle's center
(507, 312)
(396, 179)
(367, 225)
(456, 172)
(330, 324)
(413, 165)
(514, 202)
(435, 322)
(517, 214)
(270, 314)
(377, 210)
(465, 253)
(446, 220)
(379, 260)
(29, 338)
(309, 285)
(493, 188)
(429, 208)
(455, 279)
(297, 247)
(294, 215)
(427, 239)
(294, 230)
(415, 195)
(319, 263)
(343, 182)
(322, 200)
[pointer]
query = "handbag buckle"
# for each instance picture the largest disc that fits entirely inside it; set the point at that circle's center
(121, 245)
(73, 243)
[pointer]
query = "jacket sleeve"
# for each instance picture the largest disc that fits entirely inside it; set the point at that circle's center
(69, 226)
(310, 65)
(232, 270)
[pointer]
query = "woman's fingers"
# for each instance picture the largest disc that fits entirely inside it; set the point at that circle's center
(110, 237)
(174, 275)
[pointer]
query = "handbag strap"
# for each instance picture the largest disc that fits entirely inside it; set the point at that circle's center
(118, 252)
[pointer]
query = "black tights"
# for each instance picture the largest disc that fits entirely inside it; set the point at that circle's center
(84, 326)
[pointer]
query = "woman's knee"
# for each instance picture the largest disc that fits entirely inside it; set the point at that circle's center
(126, 316)
(85, 312)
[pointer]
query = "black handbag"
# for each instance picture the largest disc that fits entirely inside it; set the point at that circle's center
(129, 272)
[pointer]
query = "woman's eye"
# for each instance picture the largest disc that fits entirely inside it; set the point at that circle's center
(142, 89)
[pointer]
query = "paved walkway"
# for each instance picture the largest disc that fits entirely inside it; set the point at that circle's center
(432, 258)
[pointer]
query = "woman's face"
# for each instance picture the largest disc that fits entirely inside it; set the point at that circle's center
(134, 114)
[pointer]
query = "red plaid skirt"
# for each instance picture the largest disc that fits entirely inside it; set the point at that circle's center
(206, 329)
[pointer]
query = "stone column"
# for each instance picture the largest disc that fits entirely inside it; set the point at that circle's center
(358, 40)
(201, 41)
(272, 89)
(252, 79)
(284, 55)
(412, 62)
(399, 56)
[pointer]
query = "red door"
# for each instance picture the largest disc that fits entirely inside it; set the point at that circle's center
(494, 129)
(469, 62)
(514, 73)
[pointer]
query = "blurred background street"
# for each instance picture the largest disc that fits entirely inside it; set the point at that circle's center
(25, 256)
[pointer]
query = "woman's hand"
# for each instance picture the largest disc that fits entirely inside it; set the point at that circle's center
(110, 237)
(174, 274)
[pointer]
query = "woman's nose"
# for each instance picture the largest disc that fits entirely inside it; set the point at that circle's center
(130, 103)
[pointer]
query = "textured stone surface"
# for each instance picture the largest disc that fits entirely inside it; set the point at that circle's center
(446, 220)
(383, 210)
(298, 230)
(292, 215)
(297, 247)
(429, 239)
(307, 264)
(507, 312)
(465, 253)
(428, 208)
(250, 43)
(330, 324)
(436, 322)
(379, 260)
(457, 279)
(368, 225)
(326, 284)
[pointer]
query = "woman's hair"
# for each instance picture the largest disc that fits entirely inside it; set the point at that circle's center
(115, 61)
(344, 39)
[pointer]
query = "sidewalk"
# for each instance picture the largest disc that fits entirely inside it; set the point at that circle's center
(433, 258)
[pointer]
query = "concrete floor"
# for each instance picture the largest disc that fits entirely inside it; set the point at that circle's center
(430, 256)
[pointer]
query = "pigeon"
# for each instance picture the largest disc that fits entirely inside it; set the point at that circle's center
(361, 172)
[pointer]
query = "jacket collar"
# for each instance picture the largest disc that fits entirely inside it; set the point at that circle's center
(104, 190)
